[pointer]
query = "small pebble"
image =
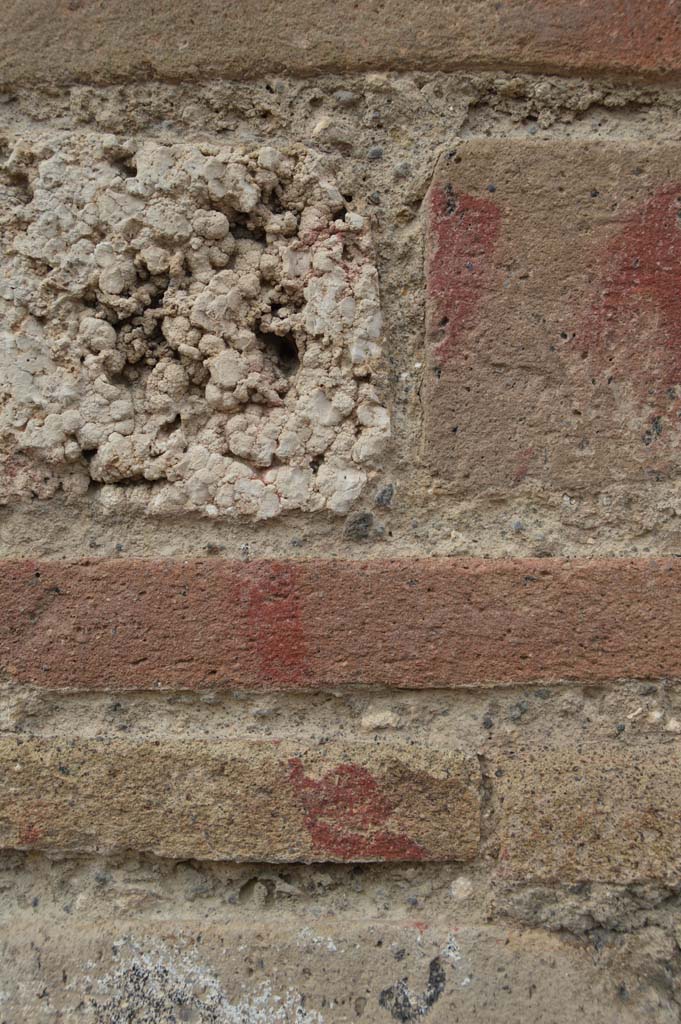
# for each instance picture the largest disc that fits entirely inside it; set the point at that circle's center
(358, 526)
(345, 98)
(518, 710)
(384, 498)
(461, 888)
(374, 721)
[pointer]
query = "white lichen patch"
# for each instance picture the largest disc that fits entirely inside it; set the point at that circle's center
(187, 328)
(157, 983)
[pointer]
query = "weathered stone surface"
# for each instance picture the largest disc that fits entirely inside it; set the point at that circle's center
(184, 328)
(274, 801)
(596, 812)
(325, 972)
(88, 41)
(121, 623)
(554, 275)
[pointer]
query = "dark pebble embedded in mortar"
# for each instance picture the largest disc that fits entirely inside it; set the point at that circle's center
(518, 710)
(358, 526)
(384, 497)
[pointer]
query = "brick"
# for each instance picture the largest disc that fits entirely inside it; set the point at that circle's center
(316, 971)
(554, 276)
(266, 801)
(615, 35)
(213, 624)
(597, 812)
(87, 40)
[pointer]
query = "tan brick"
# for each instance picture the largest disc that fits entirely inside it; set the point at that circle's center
(316, 971)
(82, 40)
(554, 276)
(608, 813)
(117, 624)
(267, 801)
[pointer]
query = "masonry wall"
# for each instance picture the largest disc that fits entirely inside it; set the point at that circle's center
(340, 469)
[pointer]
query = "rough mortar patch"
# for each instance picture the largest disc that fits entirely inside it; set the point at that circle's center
(185, 328)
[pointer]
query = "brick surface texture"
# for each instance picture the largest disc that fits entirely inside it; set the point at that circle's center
(286, 625)
(553, 281)
(106, 42)
(240, 800)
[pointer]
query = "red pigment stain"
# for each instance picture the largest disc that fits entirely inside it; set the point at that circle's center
(11, 467)
(463, 230)
(633, 331)
(275, 624)
(345, 814)
(30, 835)
(522, 466)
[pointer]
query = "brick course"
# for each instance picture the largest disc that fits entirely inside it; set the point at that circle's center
(258, 801)
(125, 623)
(75, 40)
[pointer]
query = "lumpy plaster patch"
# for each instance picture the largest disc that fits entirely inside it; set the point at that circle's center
(185, 328)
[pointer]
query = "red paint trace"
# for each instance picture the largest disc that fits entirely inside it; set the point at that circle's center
(30, 835)
(633, 330)
(464, 230)
(275, 624)
(344, 814)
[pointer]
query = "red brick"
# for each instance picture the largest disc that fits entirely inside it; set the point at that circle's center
(554, 283)
(116, 624)
(617, 35)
